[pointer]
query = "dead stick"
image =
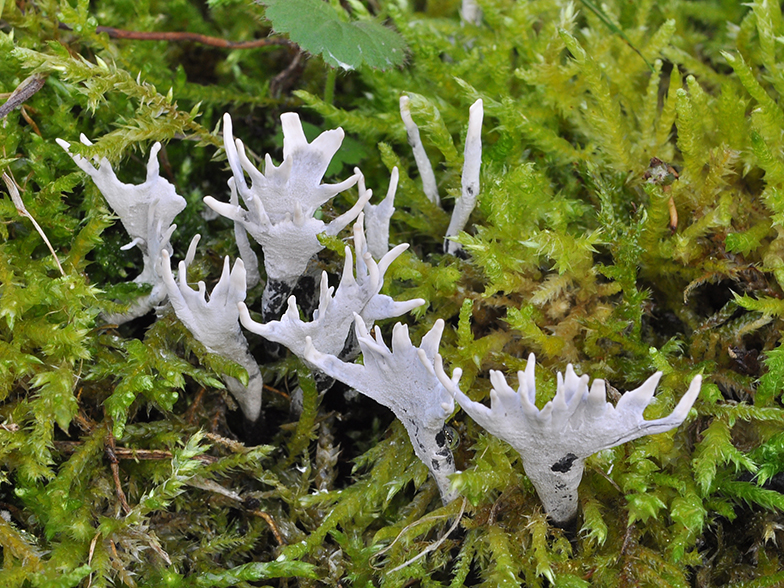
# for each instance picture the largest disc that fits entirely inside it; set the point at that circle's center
(135, 454)
(190, 414)
(185, 36)
(113, 464)
(271, 524)
(23, 92)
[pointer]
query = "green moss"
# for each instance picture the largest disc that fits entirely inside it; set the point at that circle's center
(123, 462)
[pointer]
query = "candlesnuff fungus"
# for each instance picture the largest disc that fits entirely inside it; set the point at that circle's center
(146, 211)
(281, 203)
(215, 324)
(332, 320)
(377, 217)
(472, 163)
(404, 381)
(429, 186)
(553, 442)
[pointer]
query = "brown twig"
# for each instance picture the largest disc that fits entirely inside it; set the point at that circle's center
(220, 409)
(185, 36)
(233, 445)
(135, 454)
(276, 391)
(271, 524)
(190, 414)
(84, 422)
(109, 449)
(284, 80)
(22, 93)
(26, 115)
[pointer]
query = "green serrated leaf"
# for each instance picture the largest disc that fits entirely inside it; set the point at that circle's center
(55, 396)
(317, 28)
(747, 241)
(643, 507)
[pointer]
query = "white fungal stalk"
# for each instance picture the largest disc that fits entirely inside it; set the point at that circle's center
(472, 163)
(470, 12)
(146, 211)
(332, 320)
(215, 323)
(252, 276)
(281, 203)
(377, 217)
(555, 441)
(420, 156)
(403, 380)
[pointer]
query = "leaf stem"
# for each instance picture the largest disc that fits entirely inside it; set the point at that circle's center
(329, 86)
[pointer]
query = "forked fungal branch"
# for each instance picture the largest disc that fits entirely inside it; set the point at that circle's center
(214, 322)
(146, 211)
(332, 320)
(281, 203)
(555, 441)
(403, 380)
(472, 162)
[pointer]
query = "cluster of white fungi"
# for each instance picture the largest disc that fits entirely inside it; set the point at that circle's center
(280, 214)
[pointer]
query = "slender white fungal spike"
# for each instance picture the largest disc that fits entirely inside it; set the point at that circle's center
(146, 211)
(555, 441)
(334, 316)
(377, 218)
(470, 184)
(243, 243)
(344, 219)
(431, 341)
(215, 324)
(420, 156)
(404, 381)
(470, 12)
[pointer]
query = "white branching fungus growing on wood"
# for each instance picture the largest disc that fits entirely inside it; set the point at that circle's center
(281, 203)
(146, 211)
(403, 380)
(553, 442)
(332, 320)
(215, 323)
(472, 164)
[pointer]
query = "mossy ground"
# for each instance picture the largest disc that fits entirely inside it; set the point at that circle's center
(123, 461)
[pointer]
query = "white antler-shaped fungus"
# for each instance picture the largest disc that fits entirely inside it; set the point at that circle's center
(403, 380)
(146, 211)
(215, 323)
(555, 441)
(332, 320)
(281, 203)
